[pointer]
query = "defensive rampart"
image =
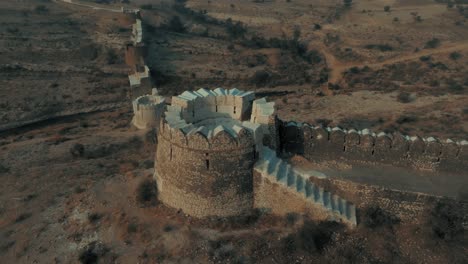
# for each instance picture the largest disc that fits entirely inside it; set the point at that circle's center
(207, 148)
(140, 76)
(325, 143)
(147, 110)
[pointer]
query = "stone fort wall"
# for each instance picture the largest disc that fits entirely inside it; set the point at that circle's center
(135, 52)
(205, 176)
(323, 143)
(410, 207)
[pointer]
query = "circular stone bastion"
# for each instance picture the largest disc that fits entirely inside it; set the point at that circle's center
(208, 143)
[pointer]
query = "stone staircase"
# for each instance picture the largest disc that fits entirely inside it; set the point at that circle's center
(278, 170)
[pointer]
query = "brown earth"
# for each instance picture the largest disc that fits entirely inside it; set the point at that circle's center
(58, 199)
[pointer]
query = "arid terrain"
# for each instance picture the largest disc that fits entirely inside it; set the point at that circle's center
(77, 177)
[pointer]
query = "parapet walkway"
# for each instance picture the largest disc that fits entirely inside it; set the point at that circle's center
(278, 170)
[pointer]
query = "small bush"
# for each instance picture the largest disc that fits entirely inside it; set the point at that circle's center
(94, 217)
(176, 25)
(291, 218)
(91, 253)
(4, 169)
(22, 217)
(315, 237)
(380, 47)
(41, 9)
(425, 58)
(146, 7)
(404, 97)
(111, 56)
(77, 150)
(455, 55)
(146, 192)
(432, 44)
(260, 78)
(132, 227)
(387, 8)
(375, 216)
(446, 220)
(406, 119)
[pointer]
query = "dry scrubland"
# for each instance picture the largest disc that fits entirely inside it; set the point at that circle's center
(75, 188)
(57, 61)
(404, 69)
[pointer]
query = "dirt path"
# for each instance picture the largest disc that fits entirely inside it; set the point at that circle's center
(88, 6)
(337, 68)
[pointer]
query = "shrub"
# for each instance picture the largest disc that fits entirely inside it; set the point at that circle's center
(406, 119)
(94, 217)
(455, 55)
(375, 216)
(433, 43)
(404, 97)
(313, 57)
(132, 227)
(348, 3)
(146, 192)
(381, 47)
(446, 220)
(315, 237)
(146, 7)
(22, 217)
(176, 25)
(111, 56)
(260, 78)
(4, 169)
(77, 150)
(41, 9)
(454, 86)
(90, 253)
(387, 8)
(291, 218)
(235, 30)
(425, 58)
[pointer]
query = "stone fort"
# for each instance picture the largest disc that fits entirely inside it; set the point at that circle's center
(223, 152)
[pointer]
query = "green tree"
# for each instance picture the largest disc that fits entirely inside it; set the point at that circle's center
(348, 3)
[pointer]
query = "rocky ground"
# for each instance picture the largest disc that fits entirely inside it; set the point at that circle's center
(77, 186)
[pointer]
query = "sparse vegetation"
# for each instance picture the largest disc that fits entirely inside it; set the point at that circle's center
(92, 252)
(374, 217)
(348, 3)
(77, 150)
(432, 44)
(41, 9)
(455, 55)
(405, 97)
(146, 192)
(446, 221)
(176, 25)
(381, 47)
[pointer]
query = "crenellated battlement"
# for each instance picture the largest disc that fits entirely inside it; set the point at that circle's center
(147, 110)
(215, 119)
(318, 143)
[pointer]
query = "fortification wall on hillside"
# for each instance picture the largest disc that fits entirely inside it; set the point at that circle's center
(324, 143)
(273, 197)
(140, 79)
(410, 207)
